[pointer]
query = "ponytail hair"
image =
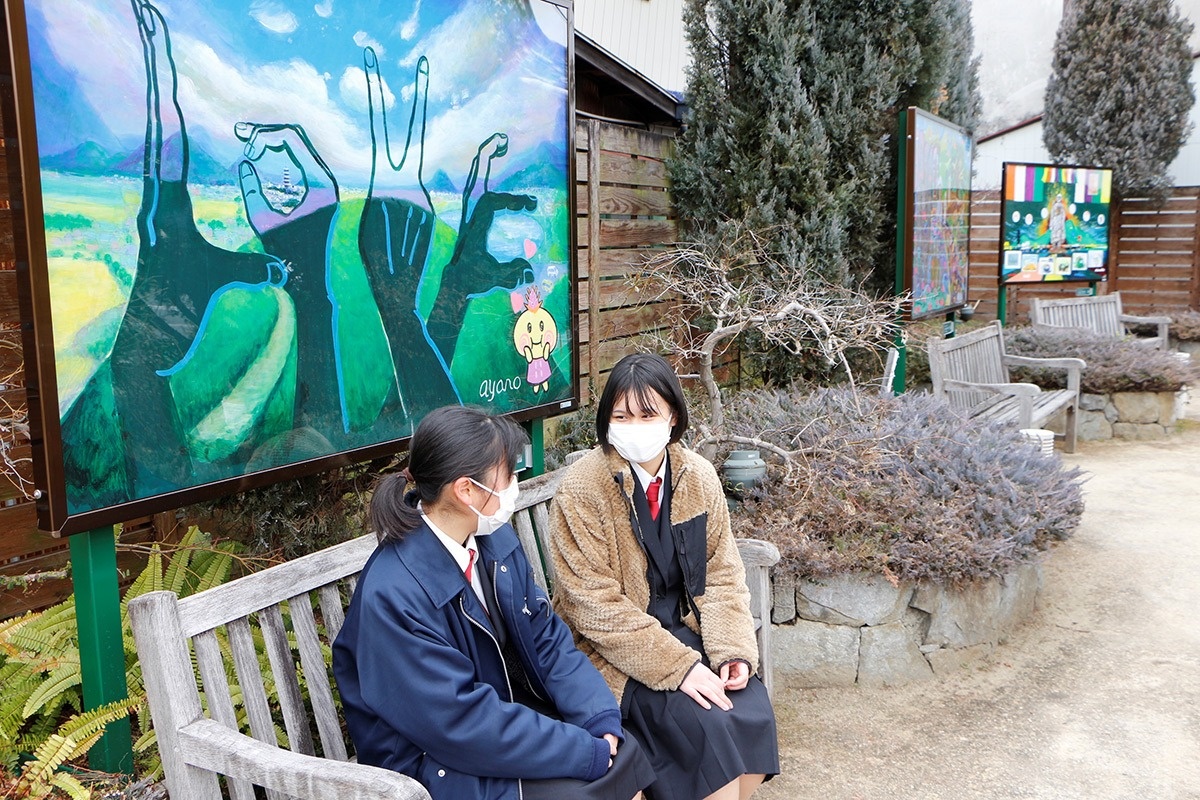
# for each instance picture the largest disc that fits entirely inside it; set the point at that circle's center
(450, 443)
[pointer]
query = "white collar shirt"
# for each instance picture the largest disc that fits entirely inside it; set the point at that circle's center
(644, 477)
(461, 555)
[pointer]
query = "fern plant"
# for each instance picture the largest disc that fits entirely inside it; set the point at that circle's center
(42, 722)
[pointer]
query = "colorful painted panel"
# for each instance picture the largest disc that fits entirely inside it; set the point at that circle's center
(1054, 223)
(278, 231)
(940, 198)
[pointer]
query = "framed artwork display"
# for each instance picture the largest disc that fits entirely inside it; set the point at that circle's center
(265, 238)
(933, 214)
(1054, 223)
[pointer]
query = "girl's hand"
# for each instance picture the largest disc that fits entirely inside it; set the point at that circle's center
(706, 688)
(735, 674)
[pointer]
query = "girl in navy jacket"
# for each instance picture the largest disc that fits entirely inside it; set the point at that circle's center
(452, 667)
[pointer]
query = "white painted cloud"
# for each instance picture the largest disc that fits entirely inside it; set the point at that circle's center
(353, 90)
(215, 95)
(325, 9)
(408, 29)
(364, 40)
(273, 16)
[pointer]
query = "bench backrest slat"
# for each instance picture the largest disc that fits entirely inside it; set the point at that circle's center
(312, 662)
(220, 703)
(975, 357)
(1100, 314)
(287, 685)
(249, 678)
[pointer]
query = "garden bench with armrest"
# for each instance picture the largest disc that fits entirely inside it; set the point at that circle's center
(1101, 315)
(296, 609)
(971, 373)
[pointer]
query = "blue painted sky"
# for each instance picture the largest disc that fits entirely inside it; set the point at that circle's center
(495, 65)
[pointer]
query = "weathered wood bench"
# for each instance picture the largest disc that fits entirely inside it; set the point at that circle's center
(971, 373)
(228, 717)
(1101, 315)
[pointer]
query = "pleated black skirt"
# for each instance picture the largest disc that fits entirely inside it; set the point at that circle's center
(694, 751)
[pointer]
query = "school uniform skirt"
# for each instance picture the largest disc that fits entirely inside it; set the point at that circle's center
(695, 751)
(628, 775)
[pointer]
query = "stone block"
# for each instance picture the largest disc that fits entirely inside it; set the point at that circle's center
(1182, 399)
(1151, 431)
(1168, 408)
(946, 660)
(982, 613)
(890, 656)
(853, 599)
(1093, 425)
(1137, 407)
(1125, 430)
(816, 654)
(783, 597)
(1092, 402)
(1110, 412)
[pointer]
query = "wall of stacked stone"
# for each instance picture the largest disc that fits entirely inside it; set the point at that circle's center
(1128, 415)
(863, 629)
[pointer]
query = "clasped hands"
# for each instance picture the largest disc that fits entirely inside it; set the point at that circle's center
(708, 688)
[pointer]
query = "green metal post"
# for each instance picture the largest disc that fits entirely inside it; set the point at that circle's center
(101, 647)
(948, 328)
(537, 439)
(900, 378)
(1002, 305)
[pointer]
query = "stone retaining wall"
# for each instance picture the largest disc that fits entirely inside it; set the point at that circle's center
(861, 629)
(1128, 415)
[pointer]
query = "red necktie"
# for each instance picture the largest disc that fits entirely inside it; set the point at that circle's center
(652, 492)
(470, 563)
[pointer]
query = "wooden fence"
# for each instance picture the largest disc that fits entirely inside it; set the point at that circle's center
(1155, 260)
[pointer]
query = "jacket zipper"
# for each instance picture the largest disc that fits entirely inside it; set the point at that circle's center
(463, 607)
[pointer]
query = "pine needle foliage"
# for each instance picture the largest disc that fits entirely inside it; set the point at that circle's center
(1120, 91)
(794, 106)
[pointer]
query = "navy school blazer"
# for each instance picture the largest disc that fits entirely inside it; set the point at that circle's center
(424, 694)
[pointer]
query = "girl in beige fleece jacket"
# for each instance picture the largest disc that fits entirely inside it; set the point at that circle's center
(649, 580)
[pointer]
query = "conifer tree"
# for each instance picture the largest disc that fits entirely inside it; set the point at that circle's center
(793, 115)
(1119, 93)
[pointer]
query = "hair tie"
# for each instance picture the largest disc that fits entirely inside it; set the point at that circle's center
(408, 478)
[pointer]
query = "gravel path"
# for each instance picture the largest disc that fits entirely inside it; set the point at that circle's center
(1096, 697)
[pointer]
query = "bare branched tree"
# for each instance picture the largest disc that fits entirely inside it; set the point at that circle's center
(738, 285)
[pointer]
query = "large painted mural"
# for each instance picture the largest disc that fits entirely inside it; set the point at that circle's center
(277, 231)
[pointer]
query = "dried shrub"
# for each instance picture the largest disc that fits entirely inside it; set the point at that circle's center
(1185, 326)
(901, 487)
(1113, 365)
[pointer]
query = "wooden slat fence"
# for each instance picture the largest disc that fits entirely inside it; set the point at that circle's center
(625, 215)
(1155, 261)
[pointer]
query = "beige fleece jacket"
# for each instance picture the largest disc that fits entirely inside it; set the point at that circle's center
(601, 589)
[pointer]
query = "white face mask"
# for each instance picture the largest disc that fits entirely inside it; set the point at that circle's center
(639, 442)
(508, 504)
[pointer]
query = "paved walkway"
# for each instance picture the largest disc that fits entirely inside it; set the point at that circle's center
(1096, 697)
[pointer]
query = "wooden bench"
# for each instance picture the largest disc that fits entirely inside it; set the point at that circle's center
(217, 719)
(1101, 315)
(971, 372)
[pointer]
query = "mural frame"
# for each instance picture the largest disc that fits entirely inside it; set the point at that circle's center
(925, 305)
(34, 299)
(1104, 188)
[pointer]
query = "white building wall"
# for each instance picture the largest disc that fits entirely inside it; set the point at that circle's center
(1025, 144)
(645, 34)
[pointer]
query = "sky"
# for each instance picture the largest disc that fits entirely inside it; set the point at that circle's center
(495, 65)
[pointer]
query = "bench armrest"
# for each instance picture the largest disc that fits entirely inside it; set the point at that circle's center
(1144, 320)
(211, 746)
(1048, 363)
(757, 553)
(1012, 389)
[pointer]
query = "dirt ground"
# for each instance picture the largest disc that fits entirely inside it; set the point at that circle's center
(1097, 696)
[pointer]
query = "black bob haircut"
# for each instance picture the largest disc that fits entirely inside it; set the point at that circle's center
(635, 377)
(450, 442)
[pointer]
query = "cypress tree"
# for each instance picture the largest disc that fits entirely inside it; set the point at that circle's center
(1119, 93)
